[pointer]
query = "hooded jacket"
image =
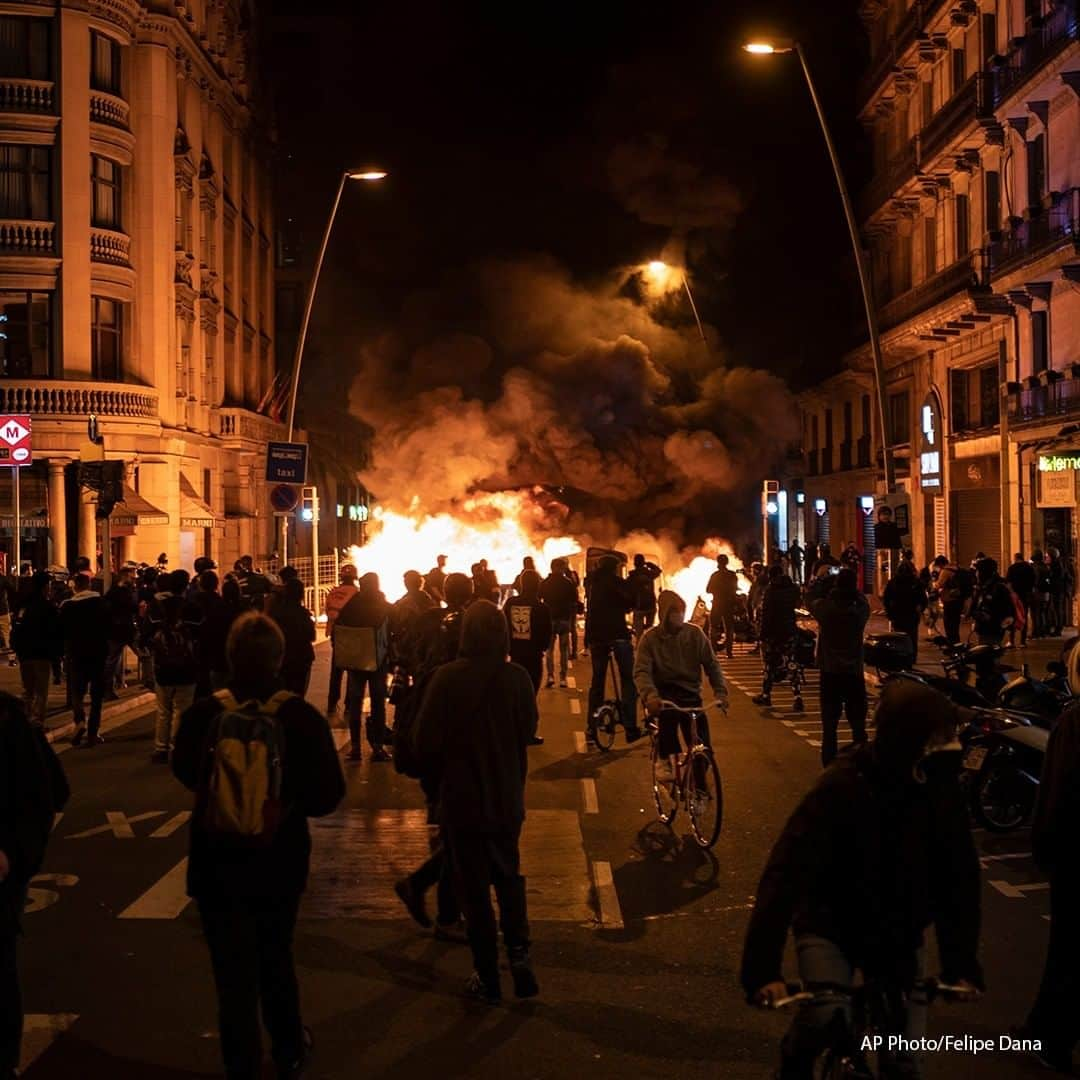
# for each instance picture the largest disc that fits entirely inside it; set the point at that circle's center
(609, 599)
(473, 728)
(842, 615)
(870, 858)
(781, 599)
(528, 621)
(561, 596)
(83, 621)
(672, 662)
(905, 600)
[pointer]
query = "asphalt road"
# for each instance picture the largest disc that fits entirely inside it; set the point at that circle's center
(637, 934)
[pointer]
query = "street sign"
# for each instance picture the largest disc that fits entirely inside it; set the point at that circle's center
(15, 440)
(286, 463)
(284, 498)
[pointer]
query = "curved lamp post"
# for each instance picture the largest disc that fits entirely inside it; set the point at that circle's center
(659, 269)
(770, 48)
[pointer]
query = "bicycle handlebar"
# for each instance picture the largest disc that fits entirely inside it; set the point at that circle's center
(828, 993)
(720, 703)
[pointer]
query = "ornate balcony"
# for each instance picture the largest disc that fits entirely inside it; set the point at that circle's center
(27, 237)
(26, 95)
(955, 118)
(1033, 52)
(77, 399)
(1050, 230)
(110, 246)
(1057, 398)
(108, 109)
(961, 277)
(248, 426)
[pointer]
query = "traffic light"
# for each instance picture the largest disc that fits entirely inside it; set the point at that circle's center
(107, 479)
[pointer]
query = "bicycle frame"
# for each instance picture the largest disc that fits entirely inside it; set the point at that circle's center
(694, 743)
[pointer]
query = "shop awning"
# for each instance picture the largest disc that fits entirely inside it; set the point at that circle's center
(135, 510)
(194, 513)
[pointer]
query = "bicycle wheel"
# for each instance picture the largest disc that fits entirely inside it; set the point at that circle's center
(706, 798)
(665, 789)
(603, 726)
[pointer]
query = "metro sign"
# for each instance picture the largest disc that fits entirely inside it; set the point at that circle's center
(15, 446)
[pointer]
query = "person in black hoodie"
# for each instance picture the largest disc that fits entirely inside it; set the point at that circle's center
(842, 613)
(529, 623)
(37, 640)
(248, 898)
(782, 597)
(609, 598)
(288, 611)
(121, 611)
(85, 647)
(473, 728)
(992, 611)
(905, 601)
(32, 790)
(879, 850)
(561, 596)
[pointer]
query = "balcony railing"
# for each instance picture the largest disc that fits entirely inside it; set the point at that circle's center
(77, 399)
(953, 279)
(1037, 48)
(108, 109)
(897, 172)
(845, 456)
(897, 44)
(244, 424)
(1061, 398)
(956, 116)
(27, 237)
(26, 95)
(1038, 236)
(863, 453)
(110, 246)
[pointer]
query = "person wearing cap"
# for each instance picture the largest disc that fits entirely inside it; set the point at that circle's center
(336, 599)
(876, 853)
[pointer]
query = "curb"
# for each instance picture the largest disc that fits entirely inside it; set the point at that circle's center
(113, 708)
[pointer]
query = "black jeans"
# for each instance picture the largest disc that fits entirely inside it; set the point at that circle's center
(624, 659)
(952, 611)
(86, 675)
(375, 684)
(436, 872)
(1053, 1017)
(841, 692)
(481, 861)
(251, 954)
(722, 622)
(334, 695)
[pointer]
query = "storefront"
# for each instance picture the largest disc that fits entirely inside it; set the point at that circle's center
(975, 507)
(1055, 500)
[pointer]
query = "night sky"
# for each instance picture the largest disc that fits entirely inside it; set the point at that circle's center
(499, 126)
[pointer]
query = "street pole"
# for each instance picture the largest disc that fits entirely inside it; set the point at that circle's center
(106, 553)
(863, 269)
(697, 318)
(315, 552)
(16, 532)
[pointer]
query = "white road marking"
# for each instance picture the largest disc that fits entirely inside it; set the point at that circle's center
(341, 736)
(589, 796)
(580, 745)
(607, 897)
(165, 899)
(177, 821)
(575, 707)
(40, 1030)
(571, 682)
(1018, 892)
(119, 824)
(131, 709)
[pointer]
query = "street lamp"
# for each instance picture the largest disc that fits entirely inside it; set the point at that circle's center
(366, 175)
(770, 48)
(659, 271)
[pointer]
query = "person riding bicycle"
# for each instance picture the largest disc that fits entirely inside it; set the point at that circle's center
(610, 598)
(670, 659)
(878, 850)
(782, 597)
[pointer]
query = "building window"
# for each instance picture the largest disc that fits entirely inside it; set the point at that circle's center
(104, 63)
(975, 398)
(848, 421)
(26, 335)
(1036, 162)
(105, 179)
(930, 245)
(989, 35)
(814, 432)
(1040, 341)
(828, 429)
(866, 415)
(107, 339)
(959, 69)
(989, 396)
(899, 418)
(25, 183)
(927, 101)
(25, 51)
(993, 201)
(902, 277)
(963, 222)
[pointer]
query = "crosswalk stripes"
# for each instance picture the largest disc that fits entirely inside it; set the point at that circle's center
(40, 1030)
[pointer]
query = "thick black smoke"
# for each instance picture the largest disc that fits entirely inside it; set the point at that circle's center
(512, 375)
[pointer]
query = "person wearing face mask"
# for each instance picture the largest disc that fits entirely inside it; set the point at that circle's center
(879, 850)
(670, 659)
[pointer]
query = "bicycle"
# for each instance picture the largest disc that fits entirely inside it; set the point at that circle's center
(695, 781)
(602, 722)
(860, 1015)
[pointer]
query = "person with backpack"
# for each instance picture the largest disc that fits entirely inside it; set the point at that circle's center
(121, 611)
(905, 601)
(403, 618)
(170, 639)
(993, 610)
(261, 761)
(473, 730)
(956, 586)
(361, 647)
(33, 789)
(85, 649)
(298, 625)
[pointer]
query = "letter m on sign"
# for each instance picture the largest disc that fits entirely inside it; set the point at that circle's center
(15, 439)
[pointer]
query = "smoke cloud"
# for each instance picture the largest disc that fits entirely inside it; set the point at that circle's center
(512, 375)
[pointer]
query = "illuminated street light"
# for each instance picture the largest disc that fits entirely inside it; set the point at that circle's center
(367, 174)
(659, 271)
(768, 48)
(773, 508)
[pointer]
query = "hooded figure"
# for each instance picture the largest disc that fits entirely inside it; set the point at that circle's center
(473, 731)
(528, 620)
(609, 599)
(879, 850)
(668, 667)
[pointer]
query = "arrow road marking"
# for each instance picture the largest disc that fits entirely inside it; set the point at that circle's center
(119, 824)
(1018, 892)
(177, 821)
(165, 899)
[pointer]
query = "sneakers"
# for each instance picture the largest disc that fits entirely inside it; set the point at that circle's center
(536, 740)
(550, 684)
(483, 991)
(413, 900)
(94, 740)
(562, 684)
(762, 699)
(521, 971)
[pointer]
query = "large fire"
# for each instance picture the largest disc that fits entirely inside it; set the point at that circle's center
(502, 528)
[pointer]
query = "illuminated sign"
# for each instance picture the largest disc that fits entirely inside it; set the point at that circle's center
(821, 507)
(1067, 462)
(800, 498)
(930, 451)
(358, 512)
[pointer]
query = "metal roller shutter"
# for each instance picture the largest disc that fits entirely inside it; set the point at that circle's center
(977, 521)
